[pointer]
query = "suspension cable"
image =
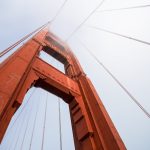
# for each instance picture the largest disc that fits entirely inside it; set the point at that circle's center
(59, 11)
(21, 127)
(80, 25)
(23, 39)
(34, 123)
(10, 146)
(59, 116)
(60, 128)
(118, 34)
(5, 51)
(28, 119)
(7, 132)
(24, 106)
(45, 114)
(117, 81)
(125, 8)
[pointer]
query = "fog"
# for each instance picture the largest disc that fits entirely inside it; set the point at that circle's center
(128, 60)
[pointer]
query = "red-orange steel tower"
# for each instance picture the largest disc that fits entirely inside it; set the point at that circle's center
(91, 124)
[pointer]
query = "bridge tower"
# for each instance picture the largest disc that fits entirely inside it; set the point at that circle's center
(91, 124)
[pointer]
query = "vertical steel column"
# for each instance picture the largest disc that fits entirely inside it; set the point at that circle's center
(16, 78)
(92, 126)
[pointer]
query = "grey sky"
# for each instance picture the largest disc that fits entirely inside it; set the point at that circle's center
(126, 59)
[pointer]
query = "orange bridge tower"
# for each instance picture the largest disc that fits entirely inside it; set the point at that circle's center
(91, 124)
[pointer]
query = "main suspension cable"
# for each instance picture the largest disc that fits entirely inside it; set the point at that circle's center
(5, 51)
(118, 34)
(80, 25)
(23, 39)
(117, 81)
(125, 8)
(59, 11)
(45, 114)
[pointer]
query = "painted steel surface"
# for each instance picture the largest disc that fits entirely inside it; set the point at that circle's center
(91, 124)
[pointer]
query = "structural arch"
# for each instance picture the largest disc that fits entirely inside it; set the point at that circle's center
(91, 124)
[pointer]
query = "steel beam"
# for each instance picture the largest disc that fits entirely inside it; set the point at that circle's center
(91, 124)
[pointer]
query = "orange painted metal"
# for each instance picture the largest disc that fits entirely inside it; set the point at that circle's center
(91, 124)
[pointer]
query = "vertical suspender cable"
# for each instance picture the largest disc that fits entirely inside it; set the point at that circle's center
(117, 81)
(26, 126)
(24, 106)
(34, 123)
(21, 124)
(59, 117)
(43, 136)
(20, 114)
(20, 130)
(10, 147)
(60, 128)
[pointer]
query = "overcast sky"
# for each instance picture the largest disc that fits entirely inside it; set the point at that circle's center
(128, 60)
